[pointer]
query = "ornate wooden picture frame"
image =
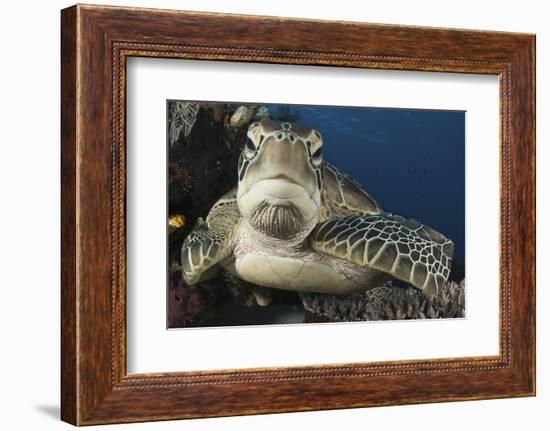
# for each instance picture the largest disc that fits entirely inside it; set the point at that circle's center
(96, 41)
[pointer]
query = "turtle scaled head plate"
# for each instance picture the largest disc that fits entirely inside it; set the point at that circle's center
(280, 178)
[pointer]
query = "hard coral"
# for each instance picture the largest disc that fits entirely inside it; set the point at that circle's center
(389, 302)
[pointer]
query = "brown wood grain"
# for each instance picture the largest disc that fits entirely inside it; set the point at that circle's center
(96, 41)
(68, 217)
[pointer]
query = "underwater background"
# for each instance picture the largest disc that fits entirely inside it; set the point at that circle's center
(412, 162)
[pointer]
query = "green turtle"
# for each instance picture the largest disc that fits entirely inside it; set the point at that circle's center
(296, 222)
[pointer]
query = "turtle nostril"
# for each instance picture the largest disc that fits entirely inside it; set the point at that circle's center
(291, 138)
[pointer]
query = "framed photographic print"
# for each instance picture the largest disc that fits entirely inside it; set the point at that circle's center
(346, 211)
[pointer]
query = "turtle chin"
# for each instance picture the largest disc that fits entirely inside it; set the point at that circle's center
(282, 221)
(279, 209)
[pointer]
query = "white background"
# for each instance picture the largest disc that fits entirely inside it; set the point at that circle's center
(29, 225)
(151, 348)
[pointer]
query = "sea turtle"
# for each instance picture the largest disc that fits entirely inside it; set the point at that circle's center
(296, 222)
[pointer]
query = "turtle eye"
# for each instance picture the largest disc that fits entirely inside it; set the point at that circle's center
(315, 143)
(250, 146)
(317, 157)
(249, 149)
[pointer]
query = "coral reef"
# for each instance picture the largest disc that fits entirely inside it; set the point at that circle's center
(242, 115)
(389, 302)
(199, 305)
(182, 119)
(184, 302)
(202, 162)
(179, 175)
(176, 222)
(261, 112)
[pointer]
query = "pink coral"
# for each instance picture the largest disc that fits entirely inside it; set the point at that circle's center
(185, 302)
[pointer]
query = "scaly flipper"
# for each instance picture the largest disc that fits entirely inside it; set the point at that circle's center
(403, 248)
(209, 242)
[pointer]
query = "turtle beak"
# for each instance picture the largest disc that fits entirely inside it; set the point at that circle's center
(287, 161)
(284, 178)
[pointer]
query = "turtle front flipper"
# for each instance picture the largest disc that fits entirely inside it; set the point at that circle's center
(209, 243)
(403, 248)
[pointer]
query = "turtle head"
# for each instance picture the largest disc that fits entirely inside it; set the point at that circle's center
(280, 179)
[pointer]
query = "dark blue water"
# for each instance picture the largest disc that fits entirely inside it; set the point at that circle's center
(411, 161)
